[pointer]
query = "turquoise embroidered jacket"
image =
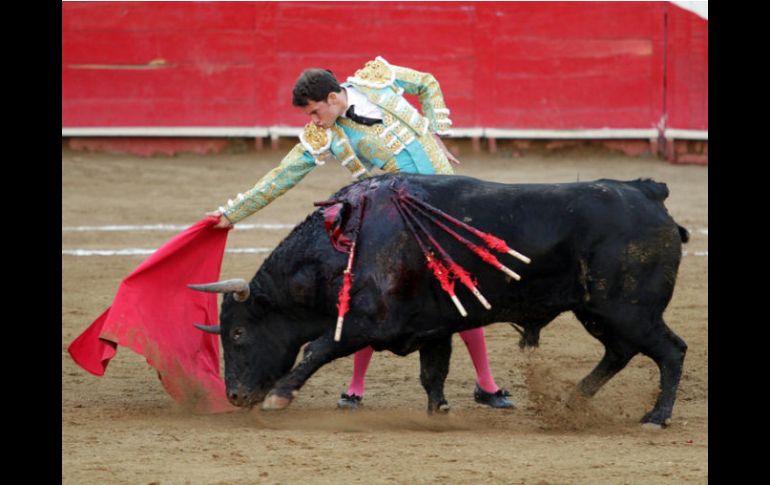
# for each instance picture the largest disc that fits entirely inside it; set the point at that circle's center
(404, 141)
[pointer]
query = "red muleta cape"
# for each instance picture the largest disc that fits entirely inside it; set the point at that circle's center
(153, 312)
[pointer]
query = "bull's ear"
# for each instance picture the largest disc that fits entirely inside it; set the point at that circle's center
(262, 300)
(302, 285)
(214, 329)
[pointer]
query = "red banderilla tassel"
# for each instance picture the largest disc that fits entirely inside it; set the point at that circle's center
(465, 279)
(492, 241)
(347, 279)
(500, 246)
(442, 275)
(344, 296)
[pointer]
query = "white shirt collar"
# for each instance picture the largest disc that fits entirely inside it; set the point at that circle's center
(363, 107)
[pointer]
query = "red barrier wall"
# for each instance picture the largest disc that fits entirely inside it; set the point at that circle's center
(687, 70)
(520, 65)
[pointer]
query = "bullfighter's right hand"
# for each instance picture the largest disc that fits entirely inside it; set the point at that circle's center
(224, 222)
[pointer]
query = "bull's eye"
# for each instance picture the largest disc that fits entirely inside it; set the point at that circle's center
(237, 333)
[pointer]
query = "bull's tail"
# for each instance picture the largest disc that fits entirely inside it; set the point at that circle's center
(683, 233)
(652, 189)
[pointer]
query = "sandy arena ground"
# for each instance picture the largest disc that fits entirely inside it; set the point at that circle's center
(124, 429)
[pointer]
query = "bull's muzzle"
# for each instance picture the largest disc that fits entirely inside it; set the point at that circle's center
(238, 287)
(239, 396)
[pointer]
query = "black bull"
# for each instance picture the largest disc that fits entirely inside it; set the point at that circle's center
(606, 250)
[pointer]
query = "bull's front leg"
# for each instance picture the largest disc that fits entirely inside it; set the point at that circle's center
(434, 367)
(317, 353)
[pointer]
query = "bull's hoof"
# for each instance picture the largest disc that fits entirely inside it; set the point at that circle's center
(652, 426)
(586, 390)
(441, 408)
(656, 418)
(274, 402)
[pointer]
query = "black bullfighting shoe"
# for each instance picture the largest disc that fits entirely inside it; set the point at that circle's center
(497, 399)
(349, 402)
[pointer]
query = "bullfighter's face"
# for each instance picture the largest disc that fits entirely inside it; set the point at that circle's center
(324, 114)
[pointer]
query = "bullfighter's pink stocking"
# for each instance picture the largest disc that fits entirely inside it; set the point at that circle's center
(360, 364)
(477, 348)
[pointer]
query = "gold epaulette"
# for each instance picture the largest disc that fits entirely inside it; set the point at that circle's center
(375, 74)
(315, 140)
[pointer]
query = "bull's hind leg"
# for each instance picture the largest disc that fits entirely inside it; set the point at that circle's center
(614, 360)
(434, 367)
(617, 354)
(667, 349)
(624, 333)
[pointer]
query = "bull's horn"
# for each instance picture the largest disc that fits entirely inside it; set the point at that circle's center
(215, 329)
(239, 287)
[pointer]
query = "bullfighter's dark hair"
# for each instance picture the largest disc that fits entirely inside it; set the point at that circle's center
(314, 85)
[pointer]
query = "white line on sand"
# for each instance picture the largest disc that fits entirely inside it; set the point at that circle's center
(166, 227)
(145, 252)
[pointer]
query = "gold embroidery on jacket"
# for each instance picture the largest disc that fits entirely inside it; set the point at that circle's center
(347, 156)
(315, 139)
(376, 74)
(435, 154)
